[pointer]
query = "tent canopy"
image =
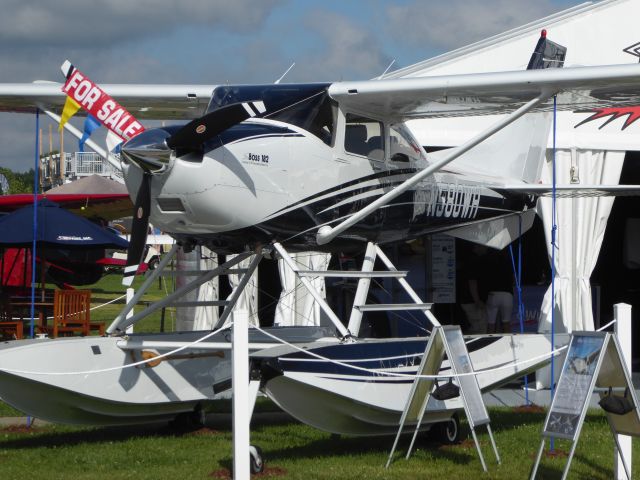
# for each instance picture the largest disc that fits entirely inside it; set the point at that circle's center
(57, 227)
(93, 184)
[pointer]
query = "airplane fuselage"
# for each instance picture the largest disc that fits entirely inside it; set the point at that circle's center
(276, 181)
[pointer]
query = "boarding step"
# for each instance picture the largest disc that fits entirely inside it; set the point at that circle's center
(379, 307)
(197, 273)
(353, 273)
(204, 303)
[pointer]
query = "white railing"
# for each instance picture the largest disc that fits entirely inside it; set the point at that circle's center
(78, 164)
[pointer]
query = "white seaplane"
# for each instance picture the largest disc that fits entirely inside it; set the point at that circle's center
(269, 169)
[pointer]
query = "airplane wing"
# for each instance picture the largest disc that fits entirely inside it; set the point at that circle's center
(491, 93)
(108, 206)
(402, 99)
(160, 102)
(573, 190)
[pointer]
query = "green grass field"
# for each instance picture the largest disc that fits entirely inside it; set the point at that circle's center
(110, 287)
(294, 451)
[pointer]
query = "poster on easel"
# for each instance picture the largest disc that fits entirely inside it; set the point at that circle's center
(574, 387)
(472, 397)
(594, 364)
(447, 340)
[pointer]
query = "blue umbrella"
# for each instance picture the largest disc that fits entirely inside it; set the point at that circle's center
(56, 227)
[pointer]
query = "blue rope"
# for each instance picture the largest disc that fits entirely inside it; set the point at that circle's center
(517, 275)
(35, 229)
(554, 229)
(35, 223)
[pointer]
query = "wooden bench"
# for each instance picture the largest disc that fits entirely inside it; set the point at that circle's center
(9, 327)
(72, 314)
(11, 330)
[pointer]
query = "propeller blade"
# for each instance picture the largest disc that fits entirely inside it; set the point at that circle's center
(139, 229)
(198, 131)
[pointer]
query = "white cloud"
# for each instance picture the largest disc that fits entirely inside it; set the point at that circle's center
(109, 22)
(346, 50)
(455, 23)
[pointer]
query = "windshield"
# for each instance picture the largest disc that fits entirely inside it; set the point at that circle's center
(307, 106)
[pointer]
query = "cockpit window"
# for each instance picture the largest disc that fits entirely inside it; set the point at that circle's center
(403, 147)
(307, 106)
(364, 136)
(317, 115)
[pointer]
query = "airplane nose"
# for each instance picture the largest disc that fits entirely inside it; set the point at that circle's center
(149, 150)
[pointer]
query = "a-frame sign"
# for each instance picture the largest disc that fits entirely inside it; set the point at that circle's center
(593, 364)
(447, 340)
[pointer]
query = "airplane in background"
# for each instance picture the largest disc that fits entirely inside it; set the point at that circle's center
(298, 167)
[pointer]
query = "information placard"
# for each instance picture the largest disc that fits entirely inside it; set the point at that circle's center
(446, 339)
(470, 390)
(574, 387)
(443, 269)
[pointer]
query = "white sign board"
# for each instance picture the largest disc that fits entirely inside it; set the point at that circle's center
(574, 387)
(469, 389)
(443, 269)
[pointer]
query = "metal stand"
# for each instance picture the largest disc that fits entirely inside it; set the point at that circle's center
(582, 375)
(446, 339)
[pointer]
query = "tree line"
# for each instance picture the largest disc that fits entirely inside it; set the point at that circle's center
(18, 182)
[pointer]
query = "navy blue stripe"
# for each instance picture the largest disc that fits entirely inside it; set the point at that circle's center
(374, 176)
(372, 379)
(369, 356)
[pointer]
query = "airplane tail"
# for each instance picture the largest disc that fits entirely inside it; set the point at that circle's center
(517, 152)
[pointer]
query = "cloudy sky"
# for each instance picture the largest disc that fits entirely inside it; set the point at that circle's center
(239, 41)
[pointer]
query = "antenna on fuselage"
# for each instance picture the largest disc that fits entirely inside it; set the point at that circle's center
(283, 75)
(386, 70)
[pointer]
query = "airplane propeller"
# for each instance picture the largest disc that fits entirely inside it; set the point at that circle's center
(139, 228)
(195, 133)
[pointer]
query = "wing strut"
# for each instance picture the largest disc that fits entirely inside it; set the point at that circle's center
(327, 233)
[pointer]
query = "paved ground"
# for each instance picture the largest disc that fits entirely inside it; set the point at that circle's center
(517, 396)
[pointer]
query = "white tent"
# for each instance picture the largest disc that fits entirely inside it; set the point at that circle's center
(200, 317)
(247, 303)
(296, 305)
(581, 224)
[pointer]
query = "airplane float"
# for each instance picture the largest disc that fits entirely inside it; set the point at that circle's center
(268, 169)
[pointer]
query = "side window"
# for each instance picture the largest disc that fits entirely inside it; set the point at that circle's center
(364, 136)
(403, 147)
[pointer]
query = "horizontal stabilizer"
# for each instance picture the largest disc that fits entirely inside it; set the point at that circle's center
(573, 190)
(496, 233)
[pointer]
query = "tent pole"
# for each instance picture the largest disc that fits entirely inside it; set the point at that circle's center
(553, 263)
(35, 222)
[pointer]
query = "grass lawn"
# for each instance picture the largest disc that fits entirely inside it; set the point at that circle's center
(296, 451)
(110, 287)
